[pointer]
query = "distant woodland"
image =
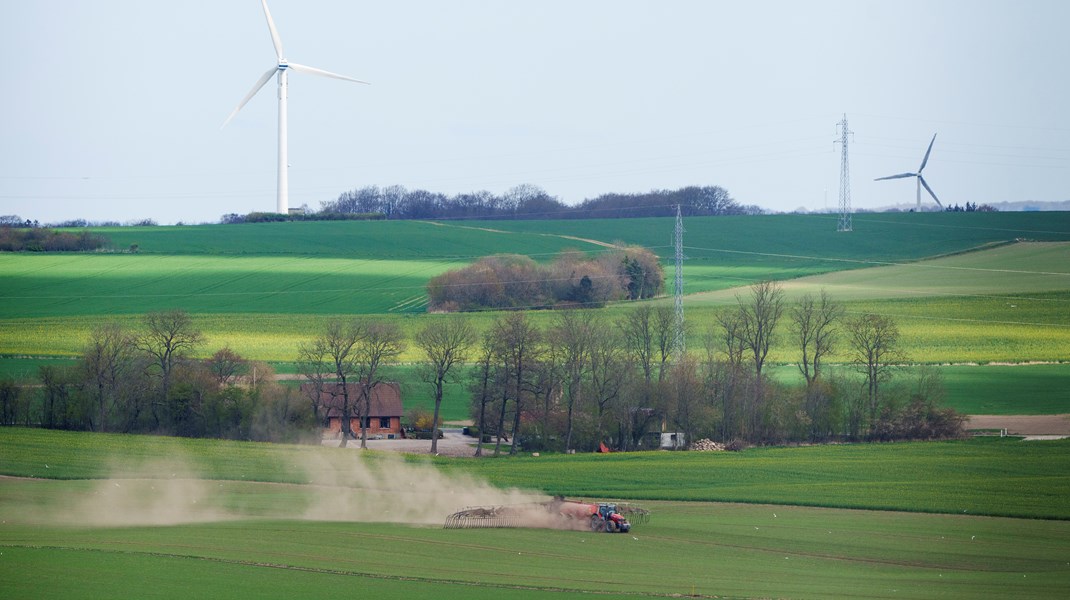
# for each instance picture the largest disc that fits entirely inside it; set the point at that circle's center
(532, 202)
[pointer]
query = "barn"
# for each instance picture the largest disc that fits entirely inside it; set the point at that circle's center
(383, 420)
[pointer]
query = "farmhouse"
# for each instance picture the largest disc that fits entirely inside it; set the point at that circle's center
(383, 420)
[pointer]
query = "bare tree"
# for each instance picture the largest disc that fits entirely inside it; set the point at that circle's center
(814, 325)
(381, 342)
(758, 320)
(445, 343)
(483, 386)
(56, 386)
(649, 333)
(334, 350)
(570, 339)
(104, 363)
(168, 337)
(688, 407)
(313, 363)
(226, 365)
(750, 332)
(727, 376)
(519, 350)
(609, 372)
(664, 337)
(875, 343)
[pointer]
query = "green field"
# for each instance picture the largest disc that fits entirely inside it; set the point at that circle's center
(228, 519)
(1001, 477)
(263, 289)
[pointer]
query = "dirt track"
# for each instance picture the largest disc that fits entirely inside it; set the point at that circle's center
(451, 444)
(1023, 424)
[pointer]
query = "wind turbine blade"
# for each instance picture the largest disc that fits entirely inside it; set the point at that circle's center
(274, 32)
(256, 88)
(899, 176)
(322, 73)
(929, 189)
(925, 160)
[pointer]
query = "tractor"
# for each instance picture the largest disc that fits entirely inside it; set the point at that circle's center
(562, 513)
(609, 520)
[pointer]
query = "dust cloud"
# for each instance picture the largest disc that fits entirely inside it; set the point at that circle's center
(348, 489)
(342, 486)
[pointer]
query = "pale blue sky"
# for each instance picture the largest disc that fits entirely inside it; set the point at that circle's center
(111, 109)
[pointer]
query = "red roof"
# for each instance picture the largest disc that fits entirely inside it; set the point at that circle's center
(385, 399)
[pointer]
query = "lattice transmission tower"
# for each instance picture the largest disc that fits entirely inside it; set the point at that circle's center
(678, 285)
(845, 179)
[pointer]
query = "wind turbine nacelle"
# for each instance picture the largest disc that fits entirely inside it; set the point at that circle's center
(283, 65)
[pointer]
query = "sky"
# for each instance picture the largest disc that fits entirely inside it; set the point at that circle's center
(112, 109)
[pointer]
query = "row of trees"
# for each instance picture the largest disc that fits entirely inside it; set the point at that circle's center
(532, 202)
(19, 222)
(572, 279)
(33, 239)
(144, 381)
(970, 207)
(583, 380)
(586, 380)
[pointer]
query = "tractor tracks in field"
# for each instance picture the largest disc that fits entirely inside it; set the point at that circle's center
(556, 235)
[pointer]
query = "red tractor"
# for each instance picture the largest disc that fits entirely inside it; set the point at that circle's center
(604, 516)
(609, 520)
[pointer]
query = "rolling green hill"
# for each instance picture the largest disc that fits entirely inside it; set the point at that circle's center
(262, 288)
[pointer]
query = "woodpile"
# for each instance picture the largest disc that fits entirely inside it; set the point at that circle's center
(707, 445)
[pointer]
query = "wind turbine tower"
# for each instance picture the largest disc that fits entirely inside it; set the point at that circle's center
(845, 179)
(282, 67)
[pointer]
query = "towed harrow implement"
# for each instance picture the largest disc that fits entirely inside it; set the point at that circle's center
(557, 513)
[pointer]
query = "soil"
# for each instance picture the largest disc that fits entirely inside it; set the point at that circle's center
(1029, 425)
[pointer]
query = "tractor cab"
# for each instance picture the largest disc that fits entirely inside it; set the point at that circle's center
(607, 510)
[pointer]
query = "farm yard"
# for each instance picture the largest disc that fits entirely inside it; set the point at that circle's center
(982, 298)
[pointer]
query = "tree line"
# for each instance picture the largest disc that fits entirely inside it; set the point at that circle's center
(583, 380)
(43, 239)
(571, 280)
(145, 381)
(586, 380)
(532, 202)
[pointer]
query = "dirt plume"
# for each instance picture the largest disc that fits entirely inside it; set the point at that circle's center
(342, 486)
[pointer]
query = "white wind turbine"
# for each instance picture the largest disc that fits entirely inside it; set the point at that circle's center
(918, 176)
(281, 68)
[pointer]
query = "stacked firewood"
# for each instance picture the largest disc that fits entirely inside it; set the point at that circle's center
(707, 445)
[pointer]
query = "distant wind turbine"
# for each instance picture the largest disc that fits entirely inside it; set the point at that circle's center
(281, 68)
(921, 180)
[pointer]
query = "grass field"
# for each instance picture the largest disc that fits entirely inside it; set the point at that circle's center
(974, 317)
(242, 538)
(981, 476)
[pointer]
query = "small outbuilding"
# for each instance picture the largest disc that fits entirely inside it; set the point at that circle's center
(383, 419)
(673, 440)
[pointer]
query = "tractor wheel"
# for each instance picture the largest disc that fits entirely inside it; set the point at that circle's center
(610, 525)
(596, 523)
